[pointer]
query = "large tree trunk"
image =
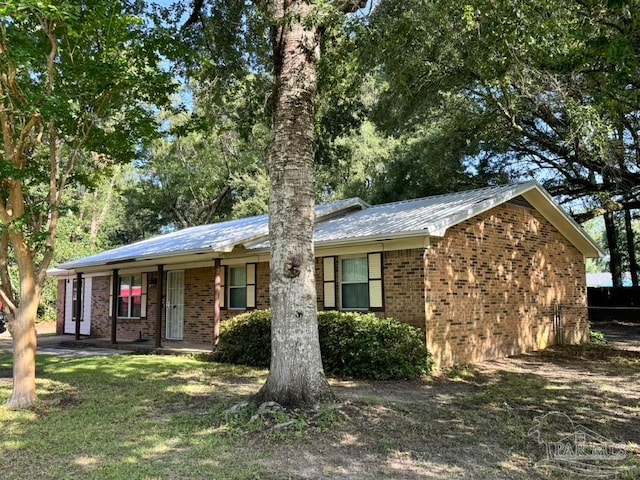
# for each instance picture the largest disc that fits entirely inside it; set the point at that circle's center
(615, 262)
(631, 247)
(23, 330)
(296, 376)
(22, 323)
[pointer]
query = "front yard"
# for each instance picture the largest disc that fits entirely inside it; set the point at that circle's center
(149, 417)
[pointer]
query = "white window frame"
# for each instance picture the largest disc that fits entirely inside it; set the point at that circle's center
(230, 268)
(374, 281)
(342, 283)
(130, 277)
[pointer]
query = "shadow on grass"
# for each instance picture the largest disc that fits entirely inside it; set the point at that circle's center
(165, 417)
(477, 425)
(128, 417)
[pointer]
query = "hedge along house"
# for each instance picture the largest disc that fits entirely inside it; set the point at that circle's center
(484, 273)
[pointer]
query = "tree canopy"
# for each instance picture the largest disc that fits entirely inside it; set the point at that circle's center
(548, 84)
(77, 80)
(549, 89)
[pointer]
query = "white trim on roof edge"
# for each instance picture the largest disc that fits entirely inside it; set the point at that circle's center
(257, 243)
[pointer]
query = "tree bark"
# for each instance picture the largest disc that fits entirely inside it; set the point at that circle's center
(631, 247)
(23, 331)
(217, 291)
(615, 263)
(296, 376)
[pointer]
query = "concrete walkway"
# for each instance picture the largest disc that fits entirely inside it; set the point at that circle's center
(51, 344)
(67, 346)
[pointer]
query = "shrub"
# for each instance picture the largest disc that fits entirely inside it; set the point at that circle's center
(352, 344)
(246, 339)
(597, 338)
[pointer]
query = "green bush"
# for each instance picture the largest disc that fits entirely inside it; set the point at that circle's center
(246, 339)
(352, 345)
(597, 337)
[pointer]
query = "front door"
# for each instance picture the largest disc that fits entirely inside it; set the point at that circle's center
(175, 305)
(70, 306)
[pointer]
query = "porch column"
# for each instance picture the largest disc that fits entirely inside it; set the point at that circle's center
(216, 302)
(160, 306)
(115, 291)
(78, 312)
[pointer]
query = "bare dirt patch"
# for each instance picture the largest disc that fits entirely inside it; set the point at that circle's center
(473, 423)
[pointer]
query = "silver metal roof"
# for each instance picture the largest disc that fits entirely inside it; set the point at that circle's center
(422, 216)
(216, 237)
(344, 221)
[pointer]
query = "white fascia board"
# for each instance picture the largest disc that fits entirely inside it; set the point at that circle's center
(559, 218)
(357, 240)
(145, 263)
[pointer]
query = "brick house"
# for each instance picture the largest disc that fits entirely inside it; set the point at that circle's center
(484, 273)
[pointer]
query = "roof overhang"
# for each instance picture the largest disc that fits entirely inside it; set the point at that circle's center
(143, 263)
(566, 225)
(538, 197)
(257, 242)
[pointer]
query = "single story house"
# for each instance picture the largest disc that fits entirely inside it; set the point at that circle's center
(483, 273)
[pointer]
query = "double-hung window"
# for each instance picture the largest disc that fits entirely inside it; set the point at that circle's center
(353, 282)
(238, 287)
(241, 286)
(130, 296)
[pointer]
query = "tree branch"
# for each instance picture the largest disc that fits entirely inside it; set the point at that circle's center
(195, 14)
(349, 6)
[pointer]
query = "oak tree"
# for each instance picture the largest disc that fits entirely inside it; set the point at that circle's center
(295, 33)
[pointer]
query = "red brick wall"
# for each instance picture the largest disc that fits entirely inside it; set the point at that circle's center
(100, 321)
(262, 286)
(404, 286)
(127, 329)
(492, 285)
(198, 304)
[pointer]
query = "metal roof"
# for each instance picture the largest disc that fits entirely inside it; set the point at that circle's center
(347, 221)
(216, 237)
(422, 216)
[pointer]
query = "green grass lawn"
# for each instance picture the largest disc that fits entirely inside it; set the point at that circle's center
(162, 417)
(128, 417)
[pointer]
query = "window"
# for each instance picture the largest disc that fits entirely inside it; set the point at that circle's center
(130, 296)
(355, 283)
(238, 287)
(358, 282)
(241, 286)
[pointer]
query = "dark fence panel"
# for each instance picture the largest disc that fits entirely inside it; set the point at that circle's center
(608, 304)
